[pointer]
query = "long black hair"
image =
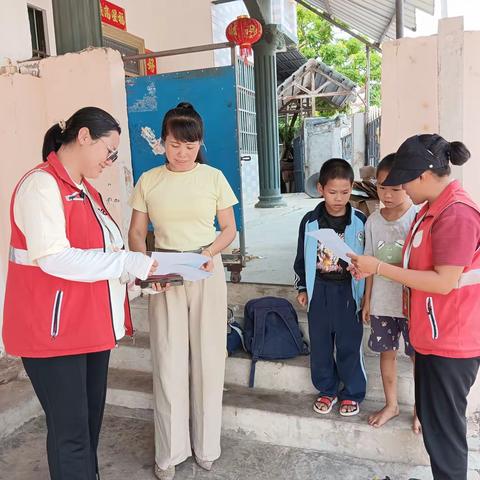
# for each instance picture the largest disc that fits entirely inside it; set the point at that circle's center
(184, 124)
(447, 152)
(98, 121)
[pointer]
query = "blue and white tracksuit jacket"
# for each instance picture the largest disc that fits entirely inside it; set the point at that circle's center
(334, 323)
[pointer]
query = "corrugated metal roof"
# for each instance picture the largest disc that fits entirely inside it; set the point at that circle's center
(373, 18)
(288, 62)
(325, 81)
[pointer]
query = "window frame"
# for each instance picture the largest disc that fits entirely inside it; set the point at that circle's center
(36, 53)
(129, 40)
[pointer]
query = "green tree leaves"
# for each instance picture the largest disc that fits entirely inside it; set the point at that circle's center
(317, 38)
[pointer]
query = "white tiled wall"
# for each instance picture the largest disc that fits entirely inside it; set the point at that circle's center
(250, 185)
(284, 13)
(222, 15)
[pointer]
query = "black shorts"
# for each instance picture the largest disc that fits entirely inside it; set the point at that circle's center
(385, 334)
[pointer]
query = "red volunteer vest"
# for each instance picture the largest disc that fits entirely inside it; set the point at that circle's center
(444, 325)
(46, 316)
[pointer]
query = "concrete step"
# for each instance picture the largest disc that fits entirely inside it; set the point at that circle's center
(295, 464)
(291, 375)
(303, 324)
(18, 405)
(289, 420)
(238, 295)
(22, 456)
(139, 308)
(244, 458)
(132, 354)
(241, 293)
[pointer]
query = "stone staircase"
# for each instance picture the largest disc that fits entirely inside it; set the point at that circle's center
(279, 409)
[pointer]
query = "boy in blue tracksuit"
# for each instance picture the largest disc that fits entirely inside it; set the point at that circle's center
(332, 295)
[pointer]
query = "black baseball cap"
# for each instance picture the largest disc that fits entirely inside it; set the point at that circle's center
(411, 160)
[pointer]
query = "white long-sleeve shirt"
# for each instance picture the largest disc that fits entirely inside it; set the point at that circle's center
(38, 213)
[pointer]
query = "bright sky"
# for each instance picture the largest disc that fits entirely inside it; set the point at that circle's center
(428, 25)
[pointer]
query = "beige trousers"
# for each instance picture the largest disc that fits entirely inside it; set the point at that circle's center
(188, 328)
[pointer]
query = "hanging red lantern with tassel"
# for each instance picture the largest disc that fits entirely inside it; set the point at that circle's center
(244, 31)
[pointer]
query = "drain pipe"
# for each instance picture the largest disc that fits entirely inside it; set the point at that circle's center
(399, 17)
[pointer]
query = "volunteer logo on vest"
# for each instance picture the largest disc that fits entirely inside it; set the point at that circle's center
(76, 196)
(417, 239)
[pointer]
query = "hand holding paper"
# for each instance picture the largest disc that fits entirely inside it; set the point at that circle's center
(188, 265)
(330, 239)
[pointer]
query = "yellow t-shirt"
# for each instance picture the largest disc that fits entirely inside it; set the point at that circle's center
(182, 205)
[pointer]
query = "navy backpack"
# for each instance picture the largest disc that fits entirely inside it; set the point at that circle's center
(271, 331)
(234, 333)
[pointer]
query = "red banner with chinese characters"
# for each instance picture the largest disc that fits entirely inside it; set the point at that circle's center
(113, 14)
(150, 64)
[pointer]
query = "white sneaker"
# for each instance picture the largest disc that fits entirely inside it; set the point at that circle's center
(205, 464)
(167, 474)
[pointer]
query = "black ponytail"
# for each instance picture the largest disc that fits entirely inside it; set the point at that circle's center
(52, 141)
(459, 153)
(98, 122)
(455, 153)
(185, 124)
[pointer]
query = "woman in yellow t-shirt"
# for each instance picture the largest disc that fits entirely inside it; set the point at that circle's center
(187, 323)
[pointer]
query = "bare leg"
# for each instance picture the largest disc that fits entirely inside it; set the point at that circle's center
(388, 368)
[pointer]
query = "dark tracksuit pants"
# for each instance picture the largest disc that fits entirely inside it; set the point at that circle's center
(72, 391)
(441, 388)
(336, 332)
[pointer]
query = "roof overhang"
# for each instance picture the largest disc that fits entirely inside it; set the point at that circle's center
(372, 19)
(314, 80)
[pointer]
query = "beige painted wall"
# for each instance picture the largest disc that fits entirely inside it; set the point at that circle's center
(93, 77)
(30, 105)
(188, 23)
(430, 84)
(471, 112)
(409, 90)
(163, 24)
(166, 25)
(22, 124)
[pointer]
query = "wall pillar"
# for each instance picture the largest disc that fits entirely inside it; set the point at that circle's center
(267, 117)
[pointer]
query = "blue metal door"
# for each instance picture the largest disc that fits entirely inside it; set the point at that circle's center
(213, 93)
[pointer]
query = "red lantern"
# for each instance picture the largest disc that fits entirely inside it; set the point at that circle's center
(244, 31)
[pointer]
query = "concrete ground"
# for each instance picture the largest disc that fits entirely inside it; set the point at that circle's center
(126, 452)
(271, 234)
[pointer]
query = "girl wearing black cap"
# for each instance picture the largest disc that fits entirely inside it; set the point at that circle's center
(441, 278)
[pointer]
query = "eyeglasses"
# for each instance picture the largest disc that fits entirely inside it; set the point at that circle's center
(112, 154)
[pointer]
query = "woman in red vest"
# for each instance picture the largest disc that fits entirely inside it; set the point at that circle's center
(66, 302)
(441, 278)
